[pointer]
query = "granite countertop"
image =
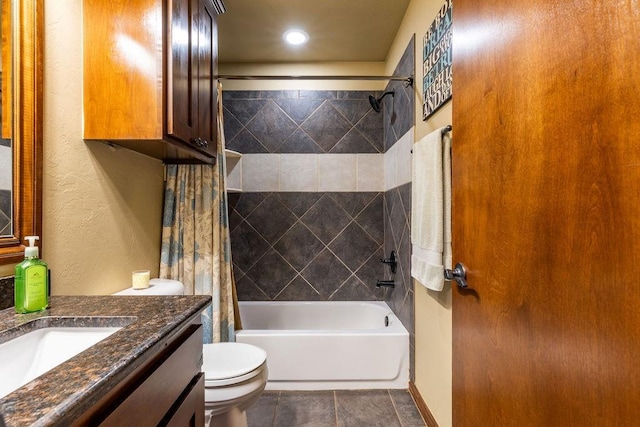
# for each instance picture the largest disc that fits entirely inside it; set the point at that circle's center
(66, 391)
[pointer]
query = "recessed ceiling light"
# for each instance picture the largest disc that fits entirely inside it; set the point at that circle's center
(295, 37)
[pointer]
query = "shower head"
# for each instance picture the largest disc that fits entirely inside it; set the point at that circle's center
(375, 103)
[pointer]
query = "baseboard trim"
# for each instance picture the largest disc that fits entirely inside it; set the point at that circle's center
(422, 406)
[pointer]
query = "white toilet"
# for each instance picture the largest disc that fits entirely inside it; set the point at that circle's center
(235, 374)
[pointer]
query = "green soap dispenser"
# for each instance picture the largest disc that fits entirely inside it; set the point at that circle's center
(31, 281)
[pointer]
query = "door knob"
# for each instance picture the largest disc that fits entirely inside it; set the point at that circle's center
(459, 274)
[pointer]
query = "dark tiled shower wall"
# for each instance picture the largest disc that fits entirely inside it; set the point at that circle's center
(307, 246)
(397, 236)
(5, 200)
(399, 115)
(301, 121)
(312, 245)
(322, 246)
(5, 212)
(399, 118)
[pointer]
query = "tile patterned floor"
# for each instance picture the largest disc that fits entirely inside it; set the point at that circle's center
(340, 408)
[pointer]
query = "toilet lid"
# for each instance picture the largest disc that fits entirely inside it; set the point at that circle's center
(230, 359)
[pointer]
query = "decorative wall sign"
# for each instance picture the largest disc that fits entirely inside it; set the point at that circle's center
(436, 61)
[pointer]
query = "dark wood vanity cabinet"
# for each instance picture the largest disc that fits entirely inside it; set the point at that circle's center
(166, 389)
(149, 76)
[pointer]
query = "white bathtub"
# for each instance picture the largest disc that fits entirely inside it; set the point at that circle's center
(328, 345)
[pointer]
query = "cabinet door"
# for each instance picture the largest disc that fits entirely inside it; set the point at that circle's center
(207, 92)
(191, 95)
(182, 68)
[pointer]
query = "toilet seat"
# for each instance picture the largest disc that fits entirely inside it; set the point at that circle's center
(231, 363)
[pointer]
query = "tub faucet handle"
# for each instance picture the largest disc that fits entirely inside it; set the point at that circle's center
(392, 261)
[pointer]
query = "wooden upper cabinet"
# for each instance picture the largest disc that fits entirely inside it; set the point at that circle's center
(149, 76)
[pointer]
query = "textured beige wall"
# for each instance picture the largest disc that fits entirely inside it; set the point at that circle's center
(432, 309)
(102, 206)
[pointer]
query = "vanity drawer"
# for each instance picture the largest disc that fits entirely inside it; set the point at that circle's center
(167, 383)
(149, 402)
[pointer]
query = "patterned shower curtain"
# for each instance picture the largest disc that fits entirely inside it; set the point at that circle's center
(196, 247)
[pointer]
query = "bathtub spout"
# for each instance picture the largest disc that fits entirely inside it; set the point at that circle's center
(386, 284)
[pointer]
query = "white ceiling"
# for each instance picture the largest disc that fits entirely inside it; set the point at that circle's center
(339, 30)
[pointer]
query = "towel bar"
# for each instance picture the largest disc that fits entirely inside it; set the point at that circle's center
(447, 128)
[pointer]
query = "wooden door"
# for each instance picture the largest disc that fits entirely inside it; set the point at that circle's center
(546, 212)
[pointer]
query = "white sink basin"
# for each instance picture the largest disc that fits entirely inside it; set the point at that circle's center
(30, 355)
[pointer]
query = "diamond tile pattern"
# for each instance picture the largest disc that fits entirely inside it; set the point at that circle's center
(5, 212)
(296, 246)
(354, 246)
(299, 109)
(245, 142)
(371, 127)
(244, 112)
(248, 291)
(326, 126)
(370, 218)
(247, 245)
(353, 290)
(354, 142)
(326, 219)
(271, 126)
(354, 109)
(271, 273)
(398, 119)
(322, 246)
(399, 115)
(271, 218)
(353, 203)
(299, 290)
(327, 273)
(299, 245)
(232, 126)
(299, 203)
(305, 121)
(397, 237)
(300, 142)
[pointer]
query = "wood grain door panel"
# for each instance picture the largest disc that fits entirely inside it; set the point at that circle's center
(546, 201)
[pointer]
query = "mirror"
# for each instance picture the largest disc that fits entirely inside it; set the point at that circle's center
(21, 28)
(6, 174)
(6, 155)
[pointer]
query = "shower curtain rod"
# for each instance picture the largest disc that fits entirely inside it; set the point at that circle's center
(407, 79)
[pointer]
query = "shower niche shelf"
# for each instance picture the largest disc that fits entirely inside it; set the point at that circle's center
(234, 171)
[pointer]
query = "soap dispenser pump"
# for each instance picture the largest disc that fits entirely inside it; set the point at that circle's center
(31, 281)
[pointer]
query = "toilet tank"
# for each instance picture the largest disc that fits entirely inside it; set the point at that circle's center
(157, 287)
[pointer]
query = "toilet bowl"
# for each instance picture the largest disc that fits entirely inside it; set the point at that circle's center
(235, 374)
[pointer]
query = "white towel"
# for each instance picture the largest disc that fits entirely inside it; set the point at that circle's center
(431, 210)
